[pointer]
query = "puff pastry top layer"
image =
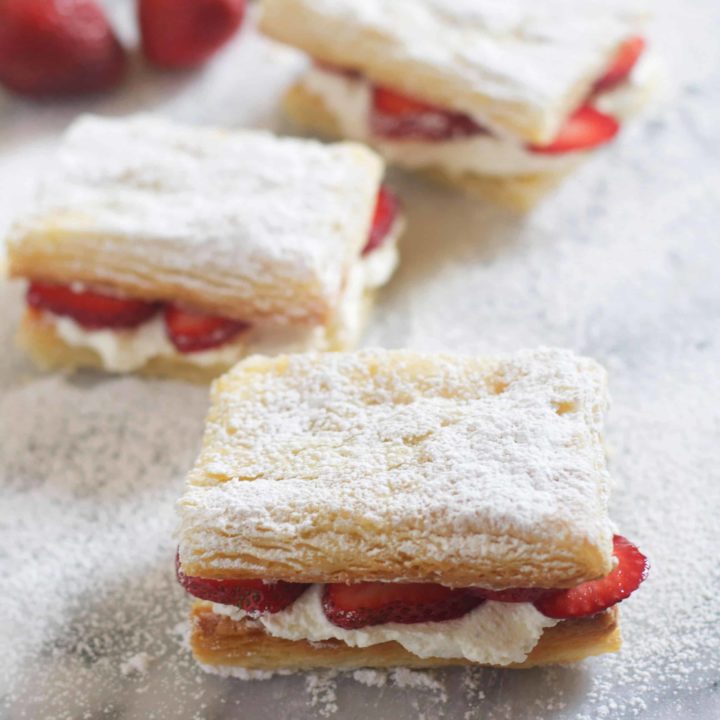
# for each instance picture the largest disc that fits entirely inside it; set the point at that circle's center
(519, 65)
(236, 222)
(396, 466)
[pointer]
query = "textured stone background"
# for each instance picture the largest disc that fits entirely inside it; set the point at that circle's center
(621, 264)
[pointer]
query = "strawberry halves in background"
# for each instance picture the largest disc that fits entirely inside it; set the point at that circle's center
(65, 48)
(185, 33)
(58, 48)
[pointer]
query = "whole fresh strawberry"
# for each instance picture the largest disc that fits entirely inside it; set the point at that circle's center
(58, 48)
(185, 33)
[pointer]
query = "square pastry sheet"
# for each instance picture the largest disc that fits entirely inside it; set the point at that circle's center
(621, 264)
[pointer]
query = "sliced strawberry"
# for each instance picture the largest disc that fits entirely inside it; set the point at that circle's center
(595, 596)
(58, 47)
(252, 596)
(374, 603)
(386, 213)
(625, 60)
(393, 103)
(90, 308)
(586, 128)
(512, 595)
(191, 331)
(400, 117)
(185, 33)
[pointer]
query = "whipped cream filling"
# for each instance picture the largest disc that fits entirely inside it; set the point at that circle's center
(349, 99)
(493, 633)
(128, 350)
(372, 272)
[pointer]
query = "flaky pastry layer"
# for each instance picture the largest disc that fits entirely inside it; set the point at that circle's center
(398, 466)
(517, 192)
(520, 66)
(238, 223)
(219, 641)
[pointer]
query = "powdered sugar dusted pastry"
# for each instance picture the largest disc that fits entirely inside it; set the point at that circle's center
(178, 250)
(427, 509)
(503, 98)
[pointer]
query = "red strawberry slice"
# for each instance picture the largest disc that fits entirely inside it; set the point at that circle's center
(399, 117)
(252, 596)
(58, 47)
(586, 128)
(191, 331)
(595, 596)
(625, 60)
(91, 309)
(512, 595)
(375, 603)
(185, 33)
(393, 103)
(386, 213)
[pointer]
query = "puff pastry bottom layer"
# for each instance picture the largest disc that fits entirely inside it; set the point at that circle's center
(49, 351)
(521, 192)
(219, 642)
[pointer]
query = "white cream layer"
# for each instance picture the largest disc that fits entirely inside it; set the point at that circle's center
(349, 100)
(493, 633)
(128, 350)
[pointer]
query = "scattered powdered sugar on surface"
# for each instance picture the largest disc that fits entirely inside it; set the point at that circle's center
(405, 678)
(136, 665)
(620, 265)
(240, 673)
(322, 689)
(371, 678)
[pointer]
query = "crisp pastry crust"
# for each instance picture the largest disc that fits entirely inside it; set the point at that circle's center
(396, 466)
(520, 66)
(518, 192)
(221, 642)
(238, 223)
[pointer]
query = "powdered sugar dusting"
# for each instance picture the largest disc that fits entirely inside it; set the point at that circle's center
(447, 462)
(240, 673)
(323, 692)
(138, 664)
(620, 266)
(406, 678)
(242, 210)
(371, 678)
